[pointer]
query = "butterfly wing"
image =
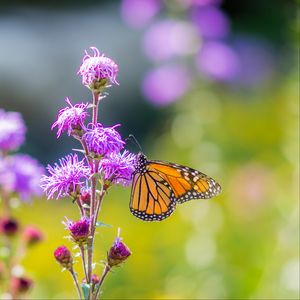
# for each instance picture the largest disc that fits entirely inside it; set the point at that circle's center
(152, 199)
(186, 183)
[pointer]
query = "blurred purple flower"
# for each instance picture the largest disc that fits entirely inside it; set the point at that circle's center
(96, 68)
(20, 285)
(12, 130)
(118, 167)
(32, 235)
(190, 3)
(137, 13)
(65, 178)
(103, 140)
(70, 118)
(256, 60)
(166, 84)
(9, 226)
(211, 22)
(21, 174)
(79, 230)
(169, 38)
(218, 61)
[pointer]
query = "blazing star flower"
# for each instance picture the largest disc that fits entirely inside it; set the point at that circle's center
(12, 130)
(8, 226)
(64, 257)
(31, 235)
(118, 168)
(166, 84)
(70, 119)
(79, 230)
(65, 178)
(20, 285)
(118, 253)
(21, 174)
(103, 140)
(98, 71)
(138, 13)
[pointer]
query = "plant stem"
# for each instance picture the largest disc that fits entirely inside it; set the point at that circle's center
(82, 251)
(95, 107)
(105, 272)
(76, 283)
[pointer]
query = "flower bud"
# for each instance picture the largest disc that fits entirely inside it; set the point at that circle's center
(32, 235)
(85, 198)
(20, 285)
(79, 230)
(8, 226)
(118, 253)
(64, 257)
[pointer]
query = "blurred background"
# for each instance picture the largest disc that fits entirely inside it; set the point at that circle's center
(209, 84)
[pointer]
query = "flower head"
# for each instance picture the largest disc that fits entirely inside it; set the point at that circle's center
(65, 178)
(166, 84)
(71, 118)
(103, 140)
(20, 285)
(118, 168)
(98, 71)
(64, 257)
(12, 130)
(8, 226)
(79, 230)
(118, 253)
(32, 235)
(21, 174)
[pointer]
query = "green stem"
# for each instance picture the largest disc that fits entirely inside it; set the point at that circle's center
(76, 283)
(105, 272)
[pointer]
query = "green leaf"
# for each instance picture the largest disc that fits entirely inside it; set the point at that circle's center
(100, 224)
(86, 290)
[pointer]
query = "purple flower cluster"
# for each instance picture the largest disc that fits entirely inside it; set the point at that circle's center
(118, 168)
(70, 118)
(103, 140)
(21, 174)
(96, 68)
(12, 131)
(65, 178)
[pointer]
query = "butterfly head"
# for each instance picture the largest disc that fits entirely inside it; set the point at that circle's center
(141, 163)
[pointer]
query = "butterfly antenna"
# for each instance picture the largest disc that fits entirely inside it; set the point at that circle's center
(131, 137)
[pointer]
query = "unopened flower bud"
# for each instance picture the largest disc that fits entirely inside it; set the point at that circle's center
(118, 253)
(8, 226)
(32, 235)
(20, 285)
(85, 198)
(64, 257)
(79, 230)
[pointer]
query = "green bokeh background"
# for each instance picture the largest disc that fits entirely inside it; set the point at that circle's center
(243, 244)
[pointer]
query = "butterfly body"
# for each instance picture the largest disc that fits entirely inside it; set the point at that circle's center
(159, 186)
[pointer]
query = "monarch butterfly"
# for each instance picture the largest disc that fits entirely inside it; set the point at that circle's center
(158, 186)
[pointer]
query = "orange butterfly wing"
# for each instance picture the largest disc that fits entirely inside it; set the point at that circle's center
(152, 199)
(186, 183)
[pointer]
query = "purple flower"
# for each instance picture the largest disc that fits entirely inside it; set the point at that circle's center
(103, 140)
(98, 70)
(8, 226)
(211, 22)
(218, 61)
(20, 285)
(166, 84)
(65, 178)
(70, 118)
(118, 253)
(12, 130)
(21, 174)
(118, 168)
(32, 235)
(64, 257)
(170, 38)
(79, 230)
(137, 13)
